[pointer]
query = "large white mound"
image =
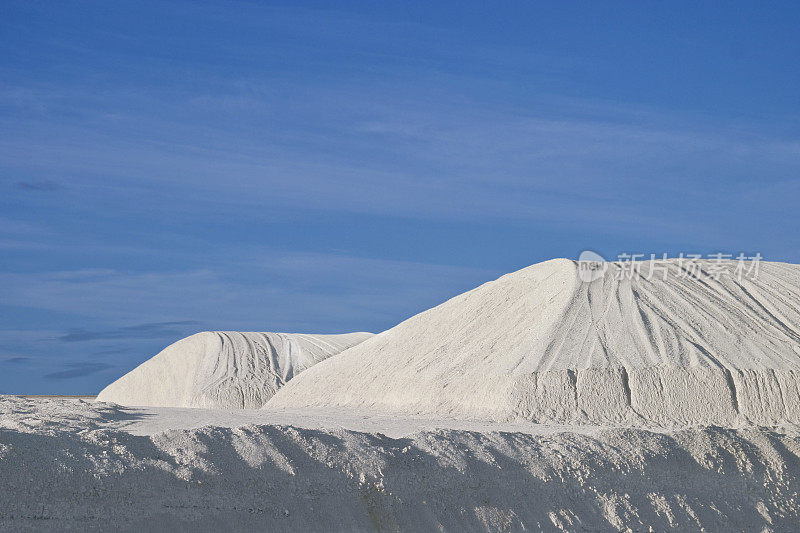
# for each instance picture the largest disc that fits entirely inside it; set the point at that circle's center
(542, 345)
(224, 369)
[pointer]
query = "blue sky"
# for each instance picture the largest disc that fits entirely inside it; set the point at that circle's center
(170, 167)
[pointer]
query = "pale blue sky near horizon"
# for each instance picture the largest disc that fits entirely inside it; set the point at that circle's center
(171, 167)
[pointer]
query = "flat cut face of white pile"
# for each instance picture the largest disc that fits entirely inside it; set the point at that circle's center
(675, 348)
(224, 369)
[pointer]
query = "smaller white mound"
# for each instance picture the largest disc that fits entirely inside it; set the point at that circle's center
(224, 369)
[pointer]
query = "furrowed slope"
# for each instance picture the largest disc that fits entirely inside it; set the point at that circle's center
(224, 369)
(677, 347)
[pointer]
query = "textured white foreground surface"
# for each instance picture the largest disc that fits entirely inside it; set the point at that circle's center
(85, 466)
(226, 369)
(539, 344)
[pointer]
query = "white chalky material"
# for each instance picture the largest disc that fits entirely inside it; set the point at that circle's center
(224, 369)
(541, 344)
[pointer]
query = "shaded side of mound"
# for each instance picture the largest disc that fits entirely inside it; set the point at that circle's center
(673, 349)
(282, 478)
(224, 369)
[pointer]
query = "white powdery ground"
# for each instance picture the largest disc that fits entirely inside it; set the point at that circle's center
(72, 464)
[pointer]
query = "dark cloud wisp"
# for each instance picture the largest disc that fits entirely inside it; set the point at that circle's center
(16, 360)
(77, 370)
(37, 186)
(151, 330)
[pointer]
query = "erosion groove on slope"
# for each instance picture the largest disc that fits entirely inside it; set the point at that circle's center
(667, 349)
(224, 369)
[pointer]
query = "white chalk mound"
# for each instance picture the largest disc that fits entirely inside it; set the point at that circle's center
(543, 345)
(224, 369)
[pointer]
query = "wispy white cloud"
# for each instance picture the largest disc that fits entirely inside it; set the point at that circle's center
(430, 161)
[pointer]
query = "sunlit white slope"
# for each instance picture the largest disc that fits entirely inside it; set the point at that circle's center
(542, 345)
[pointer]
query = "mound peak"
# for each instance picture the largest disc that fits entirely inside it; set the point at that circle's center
(674, 348)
